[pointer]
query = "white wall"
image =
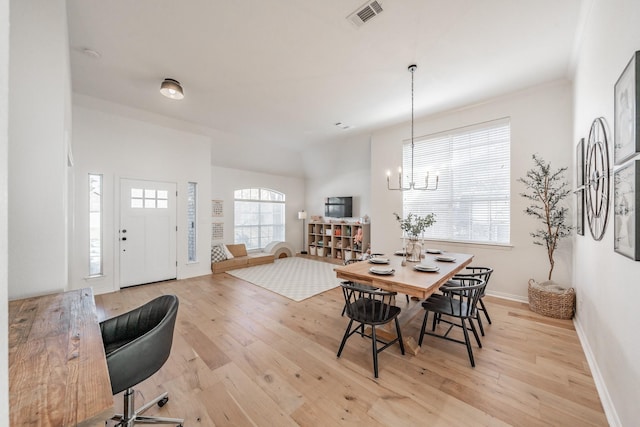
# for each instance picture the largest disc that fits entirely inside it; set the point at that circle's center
(224, 181)
(4, 143)
(39, 123)
(231, 151)
(119, 147)
(540, 123)
(608, 288)
(339, 169)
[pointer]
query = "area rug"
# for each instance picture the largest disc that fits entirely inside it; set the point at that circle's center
(294, 278)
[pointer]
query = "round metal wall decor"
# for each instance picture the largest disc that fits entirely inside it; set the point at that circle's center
(597, 179)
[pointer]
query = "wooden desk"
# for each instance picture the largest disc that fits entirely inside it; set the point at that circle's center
(405, 280)
(58, 373)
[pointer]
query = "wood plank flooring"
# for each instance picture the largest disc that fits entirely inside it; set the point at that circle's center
(244, 356)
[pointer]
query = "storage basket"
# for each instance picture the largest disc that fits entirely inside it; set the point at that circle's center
(551, 300)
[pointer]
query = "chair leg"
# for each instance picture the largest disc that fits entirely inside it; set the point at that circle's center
(468, 343)
(479, 319)
(475, 333)
(486, 313)
(399, 335)
(344, 338)
(424, 327)
(374, 343)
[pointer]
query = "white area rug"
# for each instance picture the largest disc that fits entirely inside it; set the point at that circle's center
(294, 278)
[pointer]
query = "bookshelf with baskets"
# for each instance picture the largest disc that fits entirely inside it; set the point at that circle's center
(337, 240)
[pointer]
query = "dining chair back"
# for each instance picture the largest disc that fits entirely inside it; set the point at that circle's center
(483, 273)
(370, 307)
(459, 302)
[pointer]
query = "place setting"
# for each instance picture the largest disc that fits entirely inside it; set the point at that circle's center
(426, 268)
(445, 258)
(384, 271)
(379, 260)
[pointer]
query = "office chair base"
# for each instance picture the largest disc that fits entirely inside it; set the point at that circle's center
(132, 417)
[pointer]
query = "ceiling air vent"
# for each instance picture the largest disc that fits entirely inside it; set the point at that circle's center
(365, 12)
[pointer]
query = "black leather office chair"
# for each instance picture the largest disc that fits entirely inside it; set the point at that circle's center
(137, 344)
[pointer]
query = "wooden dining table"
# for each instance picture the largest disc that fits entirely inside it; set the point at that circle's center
(406, 279)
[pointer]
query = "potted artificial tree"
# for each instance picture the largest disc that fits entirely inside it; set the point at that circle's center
(547, 189)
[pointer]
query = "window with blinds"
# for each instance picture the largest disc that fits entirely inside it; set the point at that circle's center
(472, 202)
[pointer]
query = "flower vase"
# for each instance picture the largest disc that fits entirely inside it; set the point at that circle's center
(414, 250)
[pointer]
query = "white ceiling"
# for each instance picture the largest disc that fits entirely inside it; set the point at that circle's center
(285, 71)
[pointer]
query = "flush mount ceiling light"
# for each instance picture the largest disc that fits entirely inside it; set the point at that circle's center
(171, 89)
(412, 185)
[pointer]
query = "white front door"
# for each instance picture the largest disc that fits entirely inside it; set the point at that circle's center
(147, 232)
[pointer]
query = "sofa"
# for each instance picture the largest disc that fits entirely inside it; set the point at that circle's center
(240, 259)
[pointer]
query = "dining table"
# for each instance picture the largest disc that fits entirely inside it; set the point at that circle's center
(416, 279)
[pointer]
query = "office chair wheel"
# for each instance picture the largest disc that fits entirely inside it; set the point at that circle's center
(163, 401)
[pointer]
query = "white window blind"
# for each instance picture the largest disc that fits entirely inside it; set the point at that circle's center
(472, 203)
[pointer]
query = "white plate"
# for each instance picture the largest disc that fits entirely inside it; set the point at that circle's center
(382, 270)
(379, 260)
(427, 268)
(445, 258)
(433, 251)
(400, 252)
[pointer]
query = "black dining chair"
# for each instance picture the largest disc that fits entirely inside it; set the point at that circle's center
(370, 307)
(355, 284)
(362, 285)
(137, 344)
(483, 273)
(458, 302)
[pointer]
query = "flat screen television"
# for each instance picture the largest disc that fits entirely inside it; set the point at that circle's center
(338, 207)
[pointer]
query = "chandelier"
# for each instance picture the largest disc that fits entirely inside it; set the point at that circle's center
(412, 184)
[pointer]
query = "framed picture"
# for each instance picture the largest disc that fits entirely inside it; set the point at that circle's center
(626, 187)
(627, 112)
(217, 208)
(580, 163)
(579, 211)
(217, 230)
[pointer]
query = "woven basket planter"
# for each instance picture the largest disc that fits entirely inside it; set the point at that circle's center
(551, 300)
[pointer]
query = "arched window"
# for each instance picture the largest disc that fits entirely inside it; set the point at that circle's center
(258, 217)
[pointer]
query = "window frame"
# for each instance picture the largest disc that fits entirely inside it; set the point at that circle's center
(192, 222)
(255, 195)
(90, 224)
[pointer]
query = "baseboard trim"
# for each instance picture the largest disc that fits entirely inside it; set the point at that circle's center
(512, 297)
(603, 392)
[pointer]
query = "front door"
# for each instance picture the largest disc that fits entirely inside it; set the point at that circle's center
(147, 232)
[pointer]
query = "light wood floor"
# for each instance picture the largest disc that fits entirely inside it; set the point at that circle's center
(243, 356)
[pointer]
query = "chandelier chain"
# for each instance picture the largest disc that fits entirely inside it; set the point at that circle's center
(412, 184)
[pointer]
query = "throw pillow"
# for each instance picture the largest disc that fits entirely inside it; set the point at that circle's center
(217, 254)
(227, 252)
